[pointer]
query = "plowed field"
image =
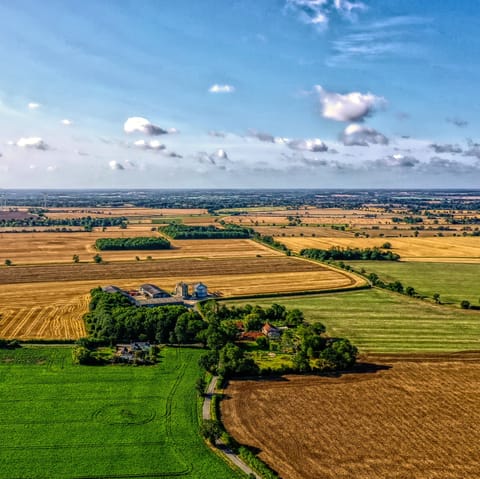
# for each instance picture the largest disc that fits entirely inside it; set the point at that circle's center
(417, 419)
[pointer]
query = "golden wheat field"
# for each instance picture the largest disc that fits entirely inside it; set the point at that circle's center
(414, 419)
(129, 212)
(43, 248)
(56, 294)
(448, 249)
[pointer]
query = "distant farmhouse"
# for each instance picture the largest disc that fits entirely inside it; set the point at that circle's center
(151, 295)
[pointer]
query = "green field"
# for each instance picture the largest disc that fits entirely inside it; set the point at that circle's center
(380, 321)
(453, 281)
(64, 421)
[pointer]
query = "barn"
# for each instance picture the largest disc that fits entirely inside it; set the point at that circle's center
(153, 291)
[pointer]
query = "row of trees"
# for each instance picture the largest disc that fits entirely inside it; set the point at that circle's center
(140, 242)
(270, 241)
(335, 253)
(181, 231)
(86, 222)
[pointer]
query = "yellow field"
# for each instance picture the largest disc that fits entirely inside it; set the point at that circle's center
(129, 212)
(41, 301)
(43, 248)
(448, 249)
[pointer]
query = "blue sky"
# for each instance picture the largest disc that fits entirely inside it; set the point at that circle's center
(244, 93)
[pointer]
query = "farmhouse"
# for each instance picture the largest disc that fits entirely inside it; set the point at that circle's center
(271, 331)
(132, 351)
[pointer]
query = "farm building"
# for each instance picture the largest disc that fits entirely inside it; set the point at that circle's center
(271, 331)
(153, 291)
(200, 291)
(128, 352)
(115, 289)
(191, 290)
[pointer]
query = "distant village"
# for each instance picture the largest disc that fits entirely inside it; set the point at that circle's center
(150, 295)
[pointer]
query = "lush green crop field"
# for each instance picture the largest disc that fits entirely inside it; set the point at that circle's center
(379, 321)
(453, 281)
(64, 421)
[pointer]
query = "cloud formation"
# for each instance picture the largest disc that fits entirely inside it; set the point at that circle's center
(318, 12)
(149, 145)
(115, 165)
(360, 135)
(262, 136)
(354, 106)
(315, 145)
(457, 122)
(446, 148)
(216, 88)
(137, 124)
(396, 161)
(66, 122)
(33, 106)
(33, 142)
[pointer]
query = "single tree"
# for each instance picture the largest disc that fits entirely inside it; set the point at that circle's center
(465, 304)
(436, 297)
(76, 258)
(97, 259)
(8, 262)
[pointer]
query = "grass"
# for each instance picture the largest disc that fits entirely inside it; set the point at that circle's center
(379, 321)
(453, 281)
(65, 421)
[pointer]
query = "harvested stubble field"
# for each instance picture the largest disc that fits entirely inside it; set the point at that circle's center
(450, 250)
(129, 212)
(409, 419)
(50, 289)
(44, 248)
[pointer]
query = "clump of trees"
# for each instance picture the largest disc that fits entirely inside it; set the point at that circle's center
(336, 253)
(270, 241)
(141, 242)
(181, 231)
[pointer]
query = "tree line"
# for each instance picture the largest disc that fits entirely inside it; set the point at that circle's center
(86, 222)
(181, 231)
(336, 253)
(140, 242)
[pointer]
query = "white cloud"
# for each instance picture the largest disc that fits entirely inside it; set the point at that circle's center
(352, 106)
(221, 88)
(33, 106)
(360, 135)
(32, 142)
(315, 145)
(52, 168)
(142, 125)
(66, 122)
(149, 145)
(318, 12)
(115, 165)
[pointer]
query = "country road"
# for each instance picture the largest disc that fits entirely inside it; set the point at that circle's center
(228, 453)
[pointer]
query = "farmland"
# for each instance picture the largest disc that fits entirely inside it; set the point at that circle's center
(383, 322)
(441, 249)
(63, 421)
(453, 281)
(408, 419)
(56, 294)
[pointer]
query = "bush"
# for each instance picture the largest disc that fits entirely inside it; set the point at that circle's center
(465, 304)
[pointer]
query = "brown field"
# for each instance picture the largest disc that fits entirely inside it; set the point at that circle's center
(48, 301)
(451, 249)
(418, 419)
(129, 212)
(43, 248)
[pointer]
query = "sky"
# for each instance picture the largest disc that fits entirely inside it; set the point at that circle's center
(239, 94)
